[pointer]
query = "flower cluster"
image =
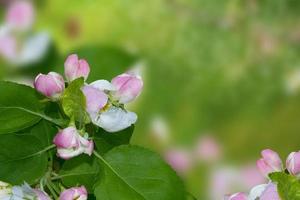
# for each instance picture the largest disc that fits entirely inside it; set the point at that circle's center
(105, 103)
(9, 192)
(16, 45)
(270, 163)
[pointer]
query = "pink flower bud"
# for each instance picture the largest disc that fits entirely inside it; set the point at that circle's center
(75, 68)
(237, 196)
(208, 149)
(95, 99)
(270, 162)
(272, 159)
(293, 163)
(67, 138)
(179, 160)
(20, 15)
(51, 85)
(70, 143)
(75, 193)
(270, 193)
(128, 87)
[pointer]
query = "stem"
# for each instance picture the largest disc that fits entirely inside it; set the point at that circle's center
(51, 190)
(47, 149)
(38, 153)
(54, 187)
(45, 117)
(100, 157)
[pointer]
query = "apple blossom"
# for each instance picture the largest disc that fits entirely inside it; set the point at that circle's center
(76, 68)
(270, 162)
(32, 49)
(208, 149)
(113, 117)
(179, 160)
(51, 85)
(257, 191)
(95, 99)
(270, 193)
(293, 163)
(5, 191)
(128, 87)
(26, 192)
(70, 143)
(20, 15)
(75, 193)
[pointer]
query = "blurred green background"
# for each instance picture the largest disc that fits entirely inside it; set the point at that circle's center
(230, 68)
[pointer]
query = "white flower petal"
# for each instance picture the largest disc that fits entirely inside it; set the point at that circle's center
(257, 191)
(114, 119)
(103, 85)
(33, 49)
(69, 153)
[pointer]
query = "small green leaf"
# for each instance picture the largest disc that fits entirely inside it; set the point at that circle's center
(20, 107)
(81, 170)
(21, 159)
(288, 186)
(74, 102)
(106, 141)
(134, 173)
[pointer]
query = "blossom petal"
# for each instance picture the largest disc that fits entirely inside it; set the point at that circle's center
(114, 119)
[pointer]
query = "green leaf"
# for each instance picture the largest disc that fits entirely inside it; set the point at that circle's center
(81, 170)
(22, 158)
(288, 186)
(45, 132)
(19, 107)
(106, 141)
(134, 173)
(74, 102)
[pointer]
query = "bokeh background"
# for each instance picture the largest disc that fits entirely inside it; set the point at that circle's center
(222, 77)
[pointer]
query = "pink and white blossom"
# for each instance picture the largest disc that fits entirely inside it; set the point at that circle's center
(128, 87)
(293, 163)
(270, 162)
(179, 159)
(95, 99)
(70, 143)
(114, 117)
(76, 68)
(26, 192)
(51, 85)
(5, 191)
(75, 193)
(20, 15)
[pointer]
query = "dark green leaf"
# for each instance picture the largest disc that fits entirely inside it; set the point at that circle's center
(21, 159)
(288, 186)
(81, 170)
(106, 141)
(134, 173)
(73, 101)
(45, 132)
(19, 107)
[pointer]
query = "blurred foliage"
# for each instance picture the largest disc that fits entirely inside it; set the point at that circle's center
(211, 65)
